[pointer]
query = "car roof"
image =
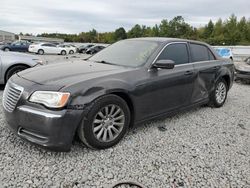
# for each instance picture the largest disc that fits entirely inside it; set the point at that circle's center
(166, 40)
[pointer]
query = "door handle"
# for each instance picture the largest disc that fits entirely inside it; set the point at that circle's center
(187, 73)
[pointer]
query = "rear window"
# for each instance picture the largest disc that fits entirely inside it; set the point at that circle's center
(200, 53)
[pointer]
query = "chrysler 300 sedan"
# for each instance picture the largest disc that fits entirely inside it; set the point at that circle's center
(127, 83)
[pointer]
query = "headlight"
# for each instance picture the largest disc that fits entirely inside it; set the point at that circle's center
(50, 99)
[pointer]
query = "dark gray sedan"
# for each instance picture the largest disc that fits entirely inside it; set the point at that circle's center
(129, 82)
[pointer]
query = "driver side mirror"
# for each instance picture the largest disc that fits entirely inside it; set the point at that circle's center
(164, 64)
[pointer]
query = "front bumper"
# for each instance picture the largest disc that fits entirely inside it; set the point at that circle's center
(32, 50)
(53, 130)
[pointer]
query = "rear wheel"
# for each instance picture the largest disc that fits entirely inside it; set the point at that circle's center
(14, 70)
(6, 49)
(106, 122)
(71, 52)
(63, 52)
(40, 52)
(219, 95)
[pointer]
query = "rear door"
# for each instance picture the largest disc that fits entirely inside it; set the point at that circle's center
(206, 68)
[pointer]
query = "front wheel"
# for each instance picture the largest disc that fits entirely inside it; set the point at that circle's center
(71, 52)
(219, 95)
(105, 123)
(6, 49)
(63, 52)
(40, 52)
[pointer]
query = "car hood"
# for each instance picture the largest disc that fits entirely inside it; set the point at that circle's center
(242, 66)
(68, 73)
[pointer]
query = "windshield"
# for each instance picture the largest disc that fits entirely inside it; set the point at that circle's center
(132, 53)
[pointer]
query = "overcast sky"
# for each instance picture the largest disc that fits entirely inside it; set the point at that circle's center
(74, 16)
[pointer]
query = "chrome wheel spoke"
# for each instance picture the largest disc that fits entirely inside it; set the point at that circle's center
(97, 121)
(97, 128)
(117, 112)
(115, 130)
(112, 110)
(118, 124)
(100, 133)
(106, 111)
(119, 117)
(105, 135)
(101, 114)
(111, 136)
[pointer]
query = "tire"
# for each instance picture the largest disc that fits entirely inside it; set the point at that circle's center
(219, 95)
(40, 52)
(14, 70)
(63, 52)
(93, 120)
(71, 52)
(6, 49)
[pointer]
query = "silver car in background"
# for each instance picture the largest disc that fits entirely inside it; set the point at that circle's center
(13, 62)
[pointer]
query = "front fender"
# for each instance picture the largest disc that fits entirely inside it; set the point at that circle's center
(82, 97)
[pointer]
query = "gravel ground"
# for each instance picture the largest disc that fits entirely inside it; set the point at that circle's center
(204, 147)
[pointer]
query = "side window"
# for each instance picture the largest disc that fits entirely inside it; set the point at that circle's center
(18, 43)
(200, 53)
(44, 44)
(176, 52)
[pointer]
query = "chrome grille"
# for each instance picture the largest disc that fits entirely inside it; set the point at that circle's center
(11, 95)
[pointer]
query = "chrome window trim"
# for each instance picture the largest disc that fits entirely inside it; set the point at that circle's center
(151, 65)
(184, 64)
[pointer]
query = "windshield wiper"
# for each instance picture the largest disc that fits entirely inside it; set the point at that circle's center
(105, 62)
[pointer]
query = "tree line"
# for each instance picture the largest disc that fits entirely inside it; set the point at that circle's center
(231, 31)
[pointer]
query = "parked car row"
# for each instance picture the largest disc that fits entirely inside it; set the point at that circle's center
(90, 49)
(50, 48)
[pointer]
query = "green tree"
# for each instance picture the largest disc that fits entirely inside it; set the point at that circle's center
(164, 28)
(120, 34)
(135, 32)
(208, 30)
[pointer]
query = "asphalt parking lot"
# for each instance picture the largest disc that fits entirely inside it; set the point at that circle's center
(204, 147)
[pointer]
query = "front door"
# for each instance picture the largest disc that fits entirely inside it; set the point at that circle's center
(168, 89)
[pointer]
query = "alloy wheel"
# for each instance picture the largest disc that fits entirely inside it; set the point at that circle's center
(220, 92)
(108, 123)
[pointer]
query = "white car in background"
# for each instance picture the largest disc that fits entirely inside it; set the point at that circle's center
(48, 48)
(70, 48)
